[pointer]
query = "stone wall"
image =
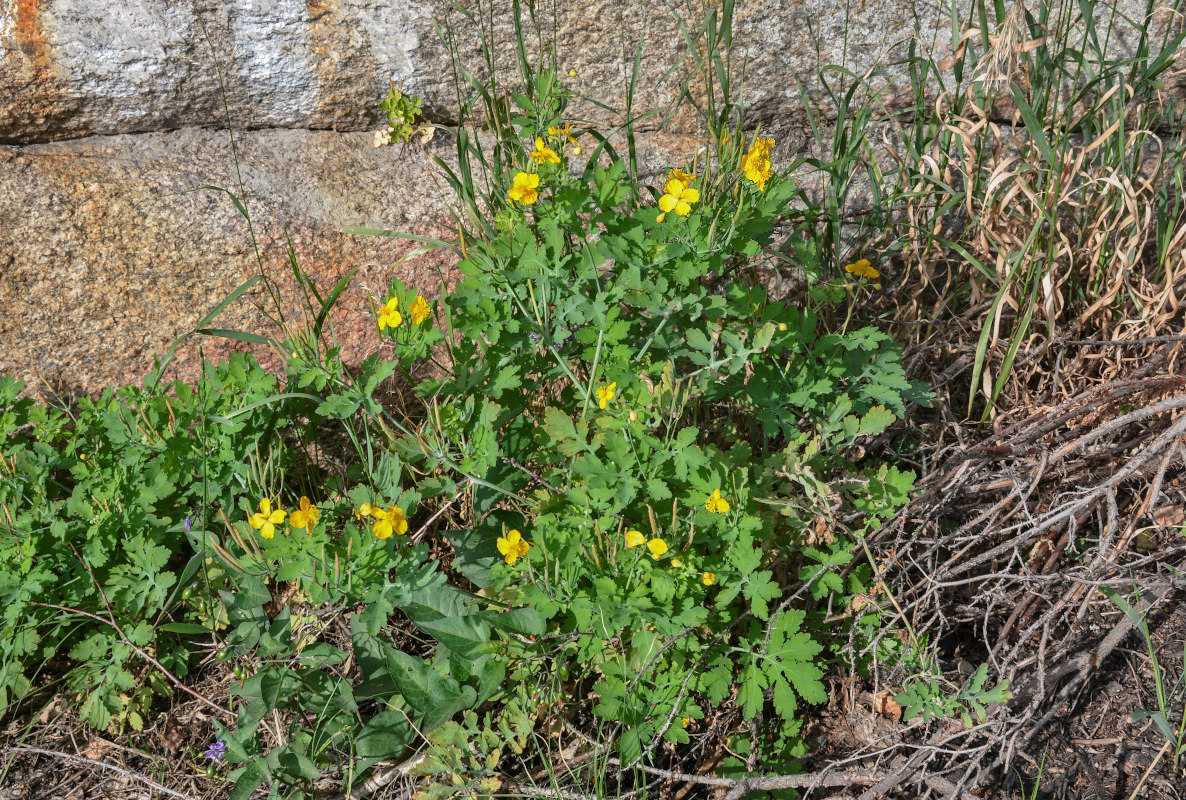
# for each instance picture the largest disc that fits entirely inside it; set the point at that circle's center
(109, 125)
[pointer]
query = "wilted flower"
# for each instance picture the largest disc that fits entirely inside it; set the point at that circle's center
(606, 394)
(657, 547)
(420, 310)
(716, 503)
(544, 154)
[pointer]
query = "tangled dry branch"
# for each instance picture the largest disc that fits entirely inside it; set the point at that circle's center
(1005, 550)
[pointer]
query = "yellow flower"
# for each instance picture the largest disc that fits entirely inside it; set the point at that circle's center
(388, 316)
(716, 503)
(605, 394)
(305, 516)
(513, 546)
(681, 176)
(524, 190)
(686, 721)
(782, 326)
(570, 143)
(862, 269)
(708, 578)
(756, 163)
(420, 310)
(761, 147)
(657, 547)
(572, 73)
(544, 154)
(678, 196)
(634, 539)
(267, 519)
(365, 510)
(390, 521)
(677, 562)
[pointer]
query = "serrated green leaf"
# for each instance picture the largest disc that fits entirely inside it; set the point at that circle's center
(876, 420)
(750, 686)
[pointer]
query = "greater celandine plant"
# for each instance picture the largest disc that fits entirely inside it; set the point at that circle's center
(656, 450)
(652, 455)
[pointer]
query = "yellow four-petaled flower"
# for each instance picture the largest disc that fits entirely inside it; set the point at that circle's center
(678, 197)
(388, 521)
(306, 516)
(266, 520)
(524, 189)
(389, 317)
(513, 546)
(708, 578)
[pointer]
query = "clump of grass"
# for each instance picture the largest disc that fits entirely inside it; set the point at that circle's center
(1035, 184)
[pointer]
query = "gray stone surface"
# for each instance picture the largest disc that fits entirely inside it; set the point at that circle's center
(109, 248)
(71, 68)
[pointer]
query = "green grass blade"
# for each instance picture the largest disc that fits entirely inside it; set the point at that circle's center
(238, 336)
(1032, 125)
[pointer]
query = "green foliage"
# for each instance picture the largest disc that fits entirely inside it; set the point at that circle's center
(612, 366)
(653, 472)
(100, 511)
(1170, 715)
(401, 111)
(927, 696)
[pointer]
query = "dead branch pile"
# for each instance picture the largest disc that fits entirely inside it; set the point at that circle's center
(1003, 554)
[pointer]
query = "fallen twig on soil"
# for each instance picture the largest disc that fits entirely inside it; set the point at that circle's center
(24, 750)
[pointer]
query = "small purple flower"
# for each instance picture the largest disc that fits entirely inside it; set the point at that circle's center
(189, 524)
(216, 751)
